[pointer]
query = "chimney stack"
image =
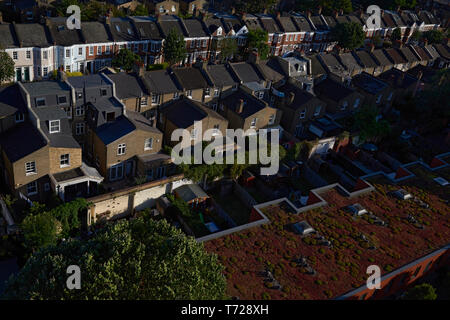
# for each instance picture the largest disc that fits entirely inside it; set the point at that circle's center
(240, 106)
(419, 78)
(253, 57)
(319, 10)
(138, 68)
(341, 12)
(336, 14)
(1, 17)
(372, 47)
(308, 14)
(420, 75)
(278, 15)
(291, 97)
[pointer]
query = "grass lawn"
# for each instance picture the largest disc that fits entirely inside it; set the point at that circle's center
(234, 207)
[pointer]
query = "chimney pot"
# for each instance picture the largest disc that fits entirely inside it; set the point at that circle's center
(240, 107)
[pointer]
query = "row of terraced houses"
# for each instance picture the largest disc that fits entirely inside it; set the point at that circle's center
(40, 48)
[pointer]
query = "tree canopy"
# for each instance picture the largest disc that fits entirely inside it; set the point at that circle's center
(328, 6)
(396, 34)
(255, 6)
(6, 67)
(228, 48)
(125, 59)
(136, 259)
(433, 36)
(174, 48)
(257, 39)
(348, 35)
(370, 128)
(422, 291)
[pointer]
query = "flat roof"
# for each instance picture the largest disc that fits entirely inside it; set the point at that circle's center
(341, 267)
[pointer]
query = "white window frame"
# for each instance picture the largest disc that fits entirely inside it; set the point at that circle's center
(28, 54)
(64, 160)
(30, 168)
(121, 149)
(15, 55)
(52, 123)
(19, 117)
(148, 144)
(79, 110)
(91, 50)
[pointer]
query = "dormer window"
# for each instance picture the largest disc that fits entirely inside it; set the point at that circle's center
(103, 92)
(54, 126)
(62, 99)
(40, 102)
(19, 117)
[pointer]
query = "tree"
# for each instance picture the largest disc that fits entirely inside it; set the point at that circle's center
(348, 35)
(40, 230)
(228, 48)
(125, 59)
(174, 48)
(434, 36)
(328, 6)
(255, 6)
(6, 67)
(140, 10)
(370, 128)
(137, 259)
(396, 34)
(257, 40)
(422, 291)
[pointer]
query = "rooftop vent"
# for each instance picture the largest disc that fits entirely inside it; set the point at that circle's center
(357, 209)
(402, 194)
(303, 228)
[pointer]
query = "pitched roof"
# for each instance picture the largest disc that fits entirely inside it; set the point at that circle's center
(190, 192)
(381, 58)
(33, 35)
(190, 78)
(128, 85)
(271, 70)
(300, 96)
(302, 24)
(61, 34)
(12, 141)
(252, 104)
(443, 51)
(147, 28)
(122, 29)
(141, 122)
(7, 36)
(428, 73)
(111, 131)
(95, 32)
(432, 51)
(316, 66)
(252, 22)
(409, 54)
(287, 24)
(160, 81)
(195, 28)
(366, 59)
(424, 56)
(11, 100)
(368, 83)
(246, 72)
(231, 24)
(40, 88)
(184, 112)
(349, 61)
(397, 78)
(332, 63)
(220, 75)
(167, 23)
(395, 56)
(269, 24)
(318, 22)
(332, 90)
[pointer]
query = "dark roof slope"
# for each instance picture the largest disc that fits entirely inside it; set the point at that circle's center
(443, 51)
(395, 56)
(195, 28)
(184, 112)
(12, 141)
(397, 78)
(220, 75)
(369, 83)
(190, 78)
(160, 81)
(7, 36)
(332, 90)
(246, 72)
(365, 58)
(146, 28)
(61, 34)
(128, 85)
(287, 24)
(122, 30)
(111, 131)
(33, 35)
(11, 100)
(300, 96)
(252, 104)
(95, 32)
(168, 23)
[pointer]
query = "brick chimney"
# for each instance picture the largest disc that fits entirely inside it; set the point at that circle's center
(138, 68)
(341, 12)
(308, 14)
(278, 15)
(361, 14)
(372, 47)
(1, 17)
(319, 10)
(240, 106)
(336, 13)
(253, 57)
(291, 97)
